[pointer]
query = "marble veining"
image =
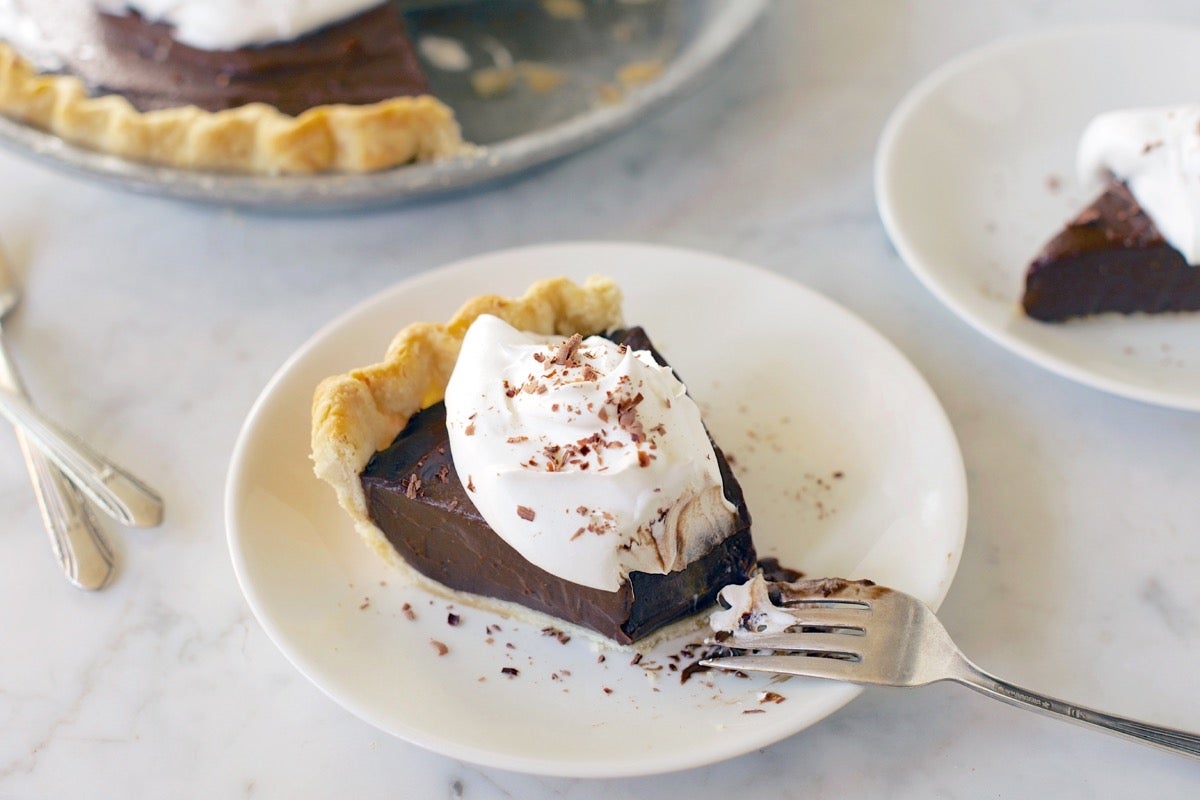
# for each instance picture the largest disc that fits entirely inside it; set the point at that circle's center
(150, 327)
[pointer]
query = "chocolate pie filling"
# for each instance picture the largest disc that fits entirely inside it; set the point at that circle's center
(365, 59)
(433, 524)
(1111, 257)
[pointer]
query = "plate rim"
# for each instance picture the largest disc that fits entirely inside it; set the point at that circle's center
(886, 206)
(837, 696)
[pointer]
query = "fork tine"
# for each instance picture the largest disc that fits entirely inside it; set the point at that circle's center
(848, 616)
(807, 666)
(814, 642)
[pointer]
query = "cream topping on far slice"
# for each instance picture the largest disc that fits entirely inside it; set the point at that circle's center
(588, 457)
(1156, 152)
(231, 24)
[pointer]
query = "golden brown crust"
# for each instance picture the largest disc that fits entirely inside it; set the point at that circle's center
(359, 413)
(254, 138)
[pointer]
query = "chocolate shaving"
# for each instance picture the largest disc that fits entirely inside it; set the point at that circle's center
(525, 513)
(414, 486)
(568, 352)
(627, 417)
(511, 672)
(441, 648)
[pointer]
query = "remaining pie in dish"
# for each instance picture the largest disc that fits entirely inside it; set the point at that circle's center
(331, 85)
(1136, 247)
(508, 461)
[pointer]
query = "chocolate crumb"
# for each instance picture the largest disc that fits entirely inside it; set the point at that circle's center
(453, 619)
(771, 697)
(470, 484)
(441, 648)
(607, 690)
(600, 659)
(469, 430)
(525, 513)
(365, 604)
(511, 672)
(637, 659)
(408, 612)
(562, 636)
(754, 711)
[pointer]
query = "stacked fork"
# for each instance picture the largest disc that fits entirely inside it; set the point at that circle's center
(64, 470)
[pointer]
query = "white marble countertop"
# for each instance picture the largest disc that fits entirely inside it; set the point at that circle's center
(151, 326)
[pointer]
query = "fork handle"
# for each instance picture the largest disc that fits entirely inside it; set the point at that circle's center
(1169, 739)
(77, 543)
(115, 491)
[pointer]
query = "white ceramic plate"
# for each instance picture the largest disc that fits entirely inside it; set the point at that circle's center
(795, 387)
(975, 171)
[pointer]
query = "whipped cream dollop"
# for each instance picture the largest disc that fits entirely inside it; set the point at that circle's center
(19, 30)
(587, 457)
(1156, 152)
(230, 24)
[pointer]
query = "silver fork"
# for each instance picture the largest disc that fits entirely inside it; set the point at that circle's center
(75, 538)
(115, 491)
(863, 633)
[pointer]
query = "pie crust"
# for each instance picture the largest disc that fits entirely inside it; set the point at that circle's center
(254, 138)
(359, 413)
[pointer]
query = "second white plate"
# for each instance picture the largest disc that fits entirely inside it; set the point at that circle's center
(975, 171)
(847, 460)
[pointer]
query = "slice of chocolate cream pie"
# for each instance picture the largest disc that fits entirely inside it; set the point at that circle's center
(535, 457)
(1137, 246)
